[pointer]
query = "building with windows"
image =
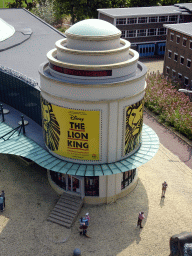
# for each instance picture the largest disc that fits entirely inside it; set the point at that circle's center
(178, 55)
(143, 26)
(85, 118)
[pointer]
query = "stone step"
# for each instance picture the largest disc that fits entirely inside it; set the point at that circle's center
(68, 205)
(60, 218)
(63, 214)
(66, 210)
(67, 200)
(72, 198)
(61, 209)
(59, 222)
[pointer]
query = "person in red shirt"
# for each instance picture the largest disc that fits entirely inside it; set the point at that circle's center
(140, 218)
(164, 187)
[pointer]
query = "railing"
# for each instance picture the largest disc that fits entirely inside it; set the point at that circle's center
(20, 76)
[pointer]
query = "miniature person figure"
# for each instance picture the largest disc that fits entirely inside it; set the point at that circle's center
(83, 227)
(140, 218)
(1, 203)
(3, 195)
(164, 187)
(87, 217)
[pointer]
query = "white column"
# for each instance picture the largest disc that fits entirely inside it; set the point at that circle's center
(112, 131)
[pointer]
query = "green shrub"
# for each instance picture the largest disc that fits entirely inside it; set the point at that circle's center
(173, 108)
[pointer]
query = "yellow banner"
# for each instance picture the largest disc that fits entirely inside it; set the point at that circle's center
(134, 124)
(72, 133)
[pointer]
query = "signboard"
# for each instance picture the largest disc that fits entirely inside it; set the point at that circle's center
(133, 128)
(71, 133)
(75, 72)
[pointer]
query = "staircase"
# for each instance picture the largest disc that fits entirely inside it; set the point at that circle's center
(66, 210)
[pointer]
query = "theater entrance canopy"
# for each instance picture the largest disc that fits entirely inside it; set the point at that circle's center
(21, 145)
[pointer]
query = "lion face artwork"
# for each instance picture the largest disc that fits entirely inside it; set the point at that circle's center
(134, 122)
(51, 129)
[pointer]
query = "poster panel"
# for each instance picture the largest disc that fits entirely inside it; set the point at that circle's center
(71, 133)
(133, 126)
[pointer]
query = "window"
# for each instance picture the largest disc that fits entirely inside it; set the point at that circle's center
(184, 42)
(142, 20)
(181, 60)
(92, 186)
(163, 18)
(179, 76)
(131, 20)
(181, 19)
(173, 73)
(175, 57)
(177, 39)
(169, 54)
(127, 178)
(121, 21)
(161, 31)
(188, 63)
(152, 19)
(171, 37)
(167, 70)
(190, 45)
(141, 32)
(186, 80)
(152, 32)
(173, 18)
(123, 33)
(131, 33)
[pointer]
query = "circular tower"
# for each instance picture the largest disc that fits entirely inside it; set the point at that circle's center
(92, 92)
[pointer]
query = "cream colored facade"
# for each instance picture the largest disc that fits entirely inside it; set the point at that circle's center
(96, 71)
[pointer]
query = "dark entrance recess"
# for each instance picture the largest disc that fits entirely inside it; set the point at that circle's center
(92, 186)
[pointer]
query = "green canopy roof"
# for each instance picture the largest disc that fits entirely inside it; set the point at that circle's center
(20, 145)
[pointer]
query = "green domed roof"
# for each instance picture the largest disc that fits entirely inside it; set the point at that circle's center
(93, 27)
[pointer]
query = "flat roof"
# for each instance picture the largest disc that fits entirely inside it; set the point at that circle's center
(140, 11)
(187, 6)
(28, 47)
(184, 28)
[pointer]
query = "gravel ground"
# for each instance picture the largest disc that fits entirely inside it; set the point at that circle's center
(153, 64)
(29, 200)
(24, 230)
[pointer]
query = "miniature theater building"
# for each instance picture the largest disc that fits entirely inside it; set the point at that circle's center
(92, 91)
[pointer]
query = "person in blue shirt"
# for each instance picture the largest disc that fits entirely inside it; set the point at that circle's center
(1, 204)
(3, 195)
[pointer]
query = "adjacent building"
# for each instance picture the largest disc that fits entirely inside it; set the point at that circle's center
(143, 26)
(178, 55)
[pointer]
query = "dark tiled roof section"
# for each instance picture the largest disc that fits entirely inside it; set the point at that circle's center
(27, 55)
(183, 28)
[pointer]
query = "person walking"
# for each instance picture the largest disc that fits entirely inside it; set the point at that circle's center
(164, 187)
(140, 218)
(87, 217)
(3, 195)
(1, 203)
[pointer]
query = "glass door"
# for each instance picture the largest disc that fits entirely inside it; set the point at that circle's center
(73, 184)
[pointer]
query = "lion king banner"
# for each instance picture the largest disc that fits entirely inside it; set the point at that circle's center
(71, 133)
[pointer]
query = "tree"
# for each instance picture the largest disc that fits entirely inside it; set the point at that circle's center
(82, 9)
(28, 4)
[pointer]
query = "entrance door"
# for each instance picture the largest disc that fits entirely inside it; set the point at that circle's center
(74, 184)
